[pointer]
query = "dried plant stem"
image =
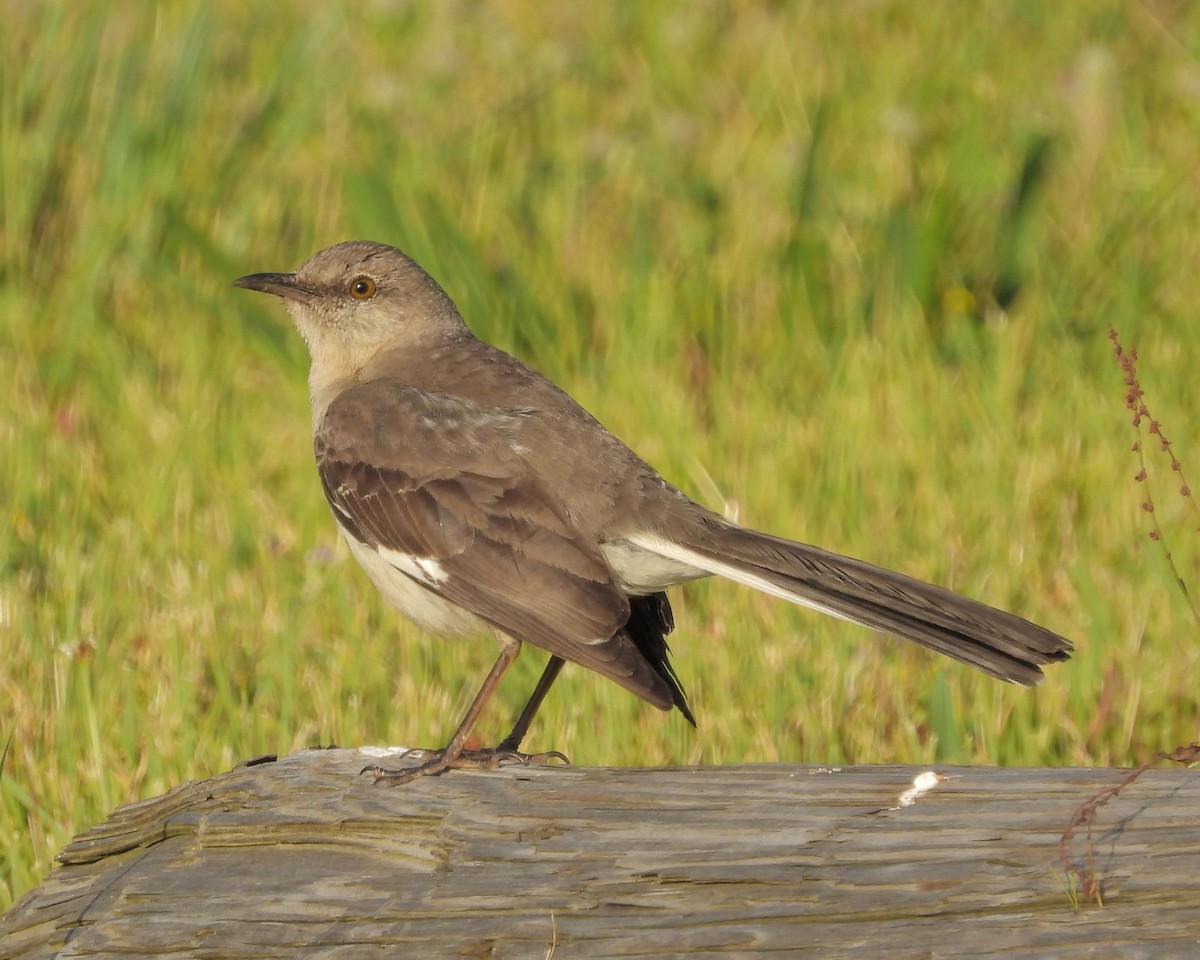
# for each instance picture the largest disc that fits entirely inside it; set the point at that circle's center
(1144, 421)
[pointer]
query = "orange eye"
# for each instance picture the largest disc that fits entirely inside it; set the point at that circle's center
(362, 288)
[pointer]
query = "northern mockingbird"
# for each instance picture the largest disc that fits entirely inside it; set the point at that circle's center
(475, 493)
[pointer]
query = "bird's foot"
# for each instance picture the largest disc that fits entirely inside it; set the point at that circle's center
(435, 762)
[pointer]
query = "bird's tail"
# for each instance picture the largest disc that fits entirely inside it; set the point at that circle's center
(1000, 644)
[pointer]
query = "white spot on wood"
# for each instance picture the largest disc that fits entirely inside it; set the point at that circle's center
(922, 784)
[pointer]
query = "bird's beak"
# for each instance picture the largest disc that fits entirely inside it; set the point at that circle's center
(282, 285)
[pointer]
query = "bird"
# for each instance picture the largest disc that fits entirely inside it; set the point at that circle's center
(477, 495)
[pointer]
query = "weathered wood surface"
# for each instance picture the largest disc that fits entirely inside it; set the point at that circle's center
(303, 857)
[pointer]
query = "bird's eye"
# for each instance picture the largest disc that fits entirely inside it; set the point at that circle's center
(362, 288)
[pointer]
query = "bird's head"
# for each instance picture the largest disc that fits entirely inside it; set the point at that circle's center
(354, 299)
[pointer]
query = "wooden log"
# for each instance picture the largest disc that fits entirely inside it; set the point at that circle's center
(302, 856)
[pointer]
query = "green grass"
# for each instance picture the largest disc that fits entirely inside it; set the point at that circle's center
(846, 267)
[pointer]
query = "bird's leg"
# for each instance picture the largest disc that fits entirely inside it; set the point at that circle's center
(510, 745)
(453, 754)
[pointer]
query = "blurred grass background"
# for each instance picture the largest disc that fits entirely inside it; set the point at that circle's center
(846, 268)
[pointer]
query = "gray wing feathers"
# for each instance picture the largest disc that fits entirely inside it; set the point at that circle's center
(456, 492)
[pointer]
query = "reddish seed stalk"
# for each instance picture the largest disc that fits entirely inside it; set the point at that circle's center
(1136, 404)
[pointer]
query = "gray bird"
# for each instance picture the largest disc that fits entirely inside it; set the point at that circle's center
(477, 494)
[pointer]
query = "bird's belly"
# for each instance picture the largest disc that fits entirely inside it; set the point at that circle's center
(419, 603)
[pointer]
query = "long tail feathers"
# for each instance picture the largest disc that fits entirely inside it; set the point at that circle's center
(998, 643)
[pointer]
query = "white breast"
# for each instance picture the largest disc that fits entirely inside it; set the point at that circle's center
(399, 578)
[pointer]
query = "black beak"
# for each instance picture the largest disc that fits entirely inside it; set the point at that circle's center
(282, 285)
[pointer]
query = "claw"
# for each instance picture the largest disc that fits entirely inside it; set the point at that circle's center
(541, 759)
(420, 753)
(437, 762)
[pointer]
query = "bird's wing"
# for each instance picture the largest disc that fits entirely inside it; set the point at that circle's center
(439, 488)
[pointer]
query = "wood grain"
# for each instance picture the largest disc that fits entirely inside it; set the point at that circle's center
(303, 857)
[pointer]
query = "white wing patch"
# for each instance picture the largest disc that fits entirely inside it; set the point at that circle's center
(422, 569)
(413, 597)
